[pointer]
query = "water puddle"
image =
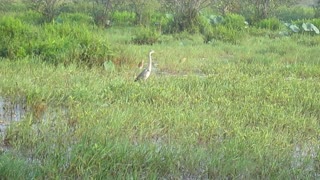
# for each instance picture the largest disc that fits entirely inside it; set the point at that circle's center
(16, 109)
(305, 158)
(11, 110)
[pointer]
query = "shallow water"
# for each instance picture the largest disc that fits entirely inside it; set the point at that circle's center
(10, 110)
(305, 157)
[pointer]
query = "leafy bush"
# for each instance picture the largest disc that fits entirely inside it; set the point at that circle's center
(234, 21)
(146, 35)
(270, 23)
(226, 34)
(49, 8)
(215, 20)
(162, 22)
(11, 6)
(208, 35)
(78, 18)
(55, 43)
(171, 26)
(92, 51)
(14, 37)
(123, 17)
(204, 24)
(206, 28)
(179, 23)
(222, 33)
(84, 7)
(229, 28)
(30, 17)
(284, 13)
(101, 19)
(12, 27)
(65, 43)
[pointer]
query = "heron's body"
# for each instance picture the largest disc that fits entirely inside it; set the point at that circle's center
(146, 72)
(143, 75)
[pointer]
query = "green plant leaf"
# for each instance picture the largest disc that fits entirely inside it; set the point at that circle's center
(287, 24)
(109, 66)
(315, 29)
(310, 27)
(294, 28)
(169, 16)
(306, 27)
(216, 19)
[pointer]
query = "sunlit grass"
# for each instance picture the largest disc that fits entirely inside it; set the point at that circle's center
(227, 111)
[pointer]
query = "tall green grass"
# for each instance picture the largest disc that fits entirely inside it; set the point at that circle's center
(228, 111)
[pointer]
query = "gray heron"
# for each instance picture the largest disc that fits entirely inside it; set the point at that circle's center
(147, 71)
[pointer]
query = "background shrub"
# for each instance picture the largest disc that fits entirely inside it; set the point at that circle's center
(100, 15)
(7, 6)
(286, 14)
(234, 21)
(91, 51)
(84, 7)
(204, 24)
(62, 42)
(146, 35)
(270, 23)
(123, 18)
(162, 22)
(231, 29)
(14, 37)
(78, 18)
(30, 17)
(226, 34)
(69, 42)
(208, 35)
(49, 8)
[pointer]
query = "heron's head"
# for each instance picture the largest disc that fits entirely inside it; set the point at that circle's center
(152, 51)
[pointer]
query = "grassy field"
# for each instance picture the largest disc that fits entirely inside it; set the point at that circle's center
(245, 111)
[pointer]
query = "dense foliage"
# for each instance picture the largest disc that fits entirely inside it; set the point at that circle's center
(70, 37)
(67, 32)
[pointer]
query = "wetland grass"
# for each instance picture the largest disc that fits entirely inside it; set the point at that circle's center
(247, 111)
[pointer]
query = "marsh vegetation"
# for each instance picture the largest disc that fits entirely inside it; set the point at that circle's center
(236, 102)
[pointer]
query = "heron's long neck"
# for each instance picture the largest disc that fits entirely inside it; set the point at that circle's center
(150, 62)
